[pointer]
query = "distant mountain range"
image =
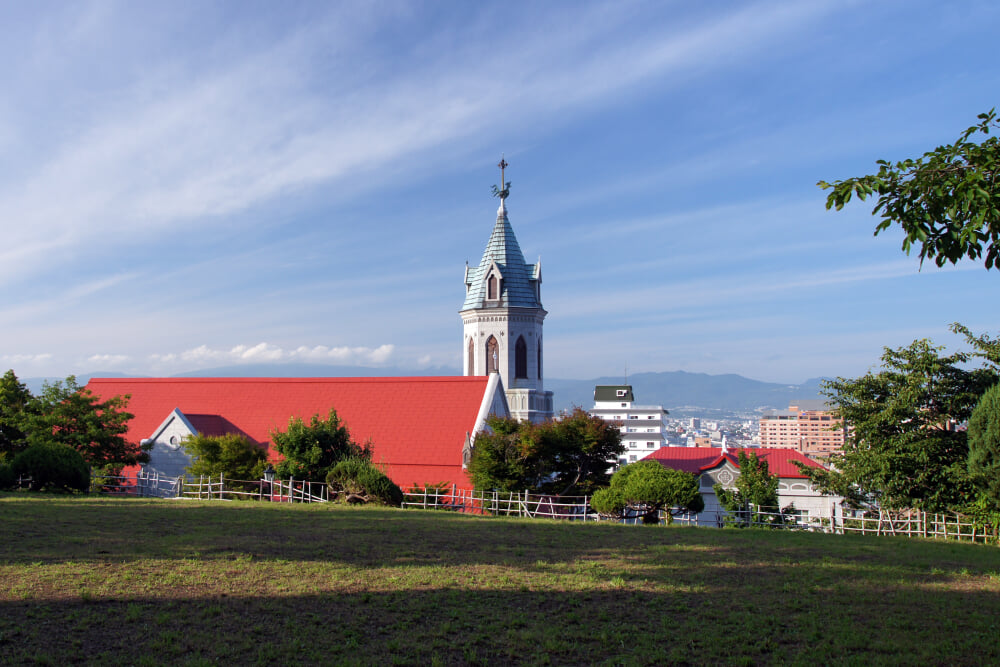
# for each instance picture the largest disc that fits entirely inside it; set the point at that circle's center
(682, 393)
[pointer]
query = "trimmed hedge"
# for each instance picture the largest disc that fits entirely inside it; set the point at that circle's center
(52, 467)
(357, 480)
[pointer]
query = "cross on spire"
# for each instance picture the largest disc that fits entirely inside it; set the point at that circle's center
(504, 190)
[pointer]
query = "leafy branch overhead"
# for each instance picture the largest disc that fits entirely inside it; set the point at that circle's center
(946, 201)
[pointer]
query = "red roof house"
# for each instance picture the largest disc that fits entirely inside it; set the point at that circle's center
(713, 465)
(418, 426)
(696, 460)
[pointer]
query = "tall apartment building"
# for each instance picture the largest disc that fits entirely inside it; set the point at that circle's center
(642, 426)
(808, 427)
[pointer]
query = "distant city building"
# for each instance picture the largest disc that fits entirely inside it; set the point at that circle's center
(694, 423)
(808, 427)
(643, 427)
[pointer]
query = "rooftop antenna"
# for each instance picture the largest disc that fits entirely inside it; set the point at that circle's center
(626, 373)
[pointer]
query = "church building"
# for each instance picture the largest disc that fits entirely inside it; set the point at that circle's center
(422, 429)
(502, 318)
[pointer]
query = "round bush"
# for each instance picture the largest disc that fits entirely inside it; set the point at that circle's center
(52, 467)
(357, 480)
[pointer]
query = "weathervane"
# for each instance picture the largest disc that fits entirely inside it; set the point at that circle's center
(505, 192)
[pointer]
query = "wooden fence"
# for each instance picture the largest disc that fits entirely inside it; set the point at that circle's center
(278, 491)
(498, 503)
(915, 523)
(908, 523)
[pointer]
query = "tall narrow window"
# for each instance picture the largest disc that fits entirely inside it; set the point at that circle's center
(472, 357)
(492, 356)
(539, 357)
(491, 288)
(521, 358)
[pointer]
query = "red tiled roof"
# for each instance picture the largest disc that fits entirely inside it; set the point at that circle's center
(417, 425)
(696, 460)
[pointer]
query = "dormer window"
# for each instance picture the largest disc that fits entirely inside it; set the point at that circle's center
(491, 288)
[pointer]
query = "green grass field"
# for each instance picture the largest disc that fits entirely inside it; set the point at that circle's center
(144, 582)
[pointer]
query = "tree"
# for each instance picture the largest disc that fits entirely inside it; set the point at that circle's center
(15, 405)
(52, 467)
(578, 450)
(231, 455)
(644, 488)
(984, 446)
(572, 454)
(755, 486)
(357, 480)
(903, 447)
(68, 414)
(312, 450)
(947, 202)
(503, 457)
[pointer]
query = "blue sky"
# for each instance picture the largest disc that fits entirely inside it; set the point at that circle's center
(187, 185)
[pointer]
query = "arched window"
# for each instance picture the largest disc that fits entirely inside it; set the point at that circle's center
(491, 288)
(492, 356)
(521, 358)
(539, 357)
(472, 357)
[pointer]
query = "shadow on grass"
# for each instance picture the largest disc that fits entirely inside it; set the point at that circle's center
(456, 626)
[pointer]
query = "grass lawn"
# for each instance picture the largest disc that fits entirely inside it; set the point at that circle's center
(144, 582)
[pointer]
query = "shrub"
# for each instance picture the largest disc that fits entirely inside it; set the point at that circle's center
(52, 467)
(644, 488)
(232, 455)
(311, 450)
(984, 446)
(7, 477)
(357, 480)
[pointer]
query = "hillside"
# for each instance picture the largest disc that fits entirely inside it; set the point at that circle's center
(682, 393)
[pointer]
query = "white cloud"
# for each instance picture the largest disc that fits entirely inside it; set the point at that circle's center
(108, 359)
(184, 145)
(26, 358)
(266, 352)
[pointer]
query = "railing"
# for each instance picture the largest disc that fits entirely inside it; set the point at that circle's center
(288, 491)
(501, 503)
(915, 523)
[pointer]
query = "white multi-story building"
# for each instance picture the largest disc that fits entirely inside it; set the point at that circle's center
(643, 426)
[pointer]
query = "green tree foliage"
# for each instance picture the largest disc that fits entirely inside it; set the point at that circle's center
(232, 455)
(7, 478)
(358, 480)
(903, 448)
(311, 450)
(984, 446)
(947, 202)
(502, 458)
(644, 488)
(569, 455)
(69, 414)
(52, 467)
(15, 406)
(755, 486)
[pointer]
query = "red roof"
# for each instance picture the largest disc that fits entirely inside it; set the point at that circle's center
(696, 460)
(417, 425)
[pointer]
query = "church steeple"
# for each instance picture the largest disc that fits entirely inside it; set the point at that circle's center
(502, 316)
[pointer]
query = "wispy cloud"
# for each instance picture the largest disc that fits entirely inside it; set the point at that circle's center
(178, 147)
(266, 352)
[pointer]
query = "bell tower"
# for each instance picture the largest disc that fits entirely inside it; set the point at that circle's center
(502, 318)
